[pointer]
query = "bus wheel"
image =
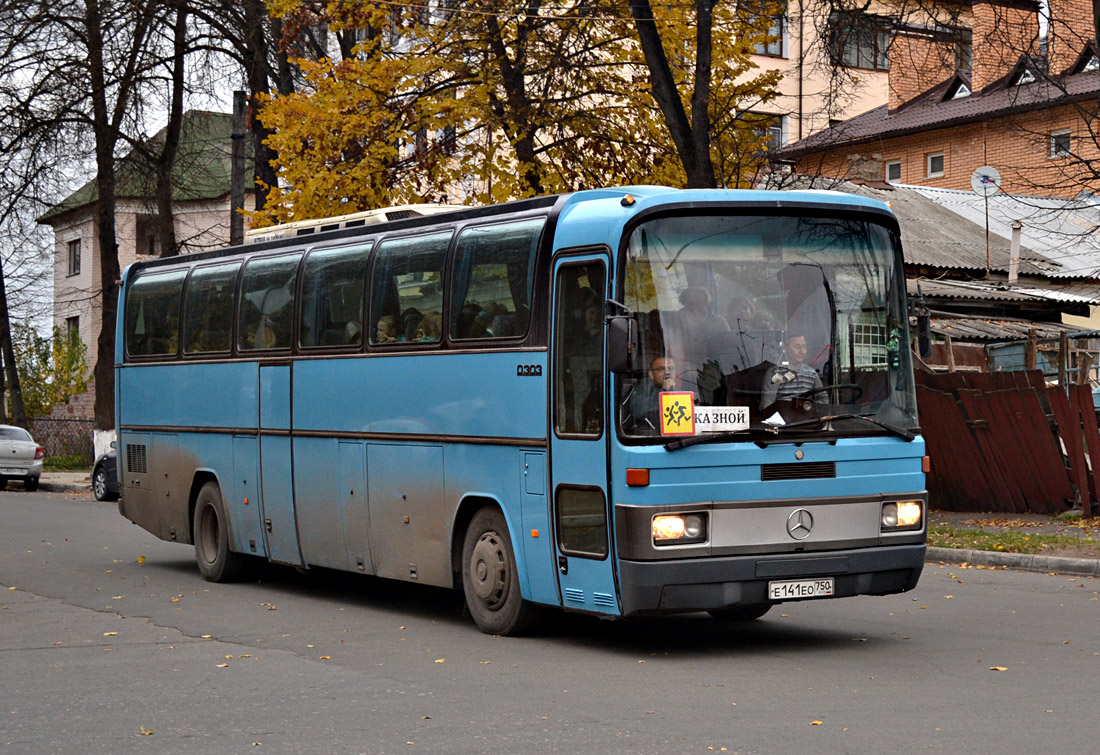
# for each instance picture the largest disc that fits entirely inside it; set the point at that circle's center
(216, 562)
(490, 579)
(741, 613)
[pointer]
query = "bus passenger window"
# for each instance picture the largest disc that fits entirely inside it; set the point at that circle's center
(407, 290)
(153, 314)
(333, 282)
(208, 309)
(493, 279)
(267, 303)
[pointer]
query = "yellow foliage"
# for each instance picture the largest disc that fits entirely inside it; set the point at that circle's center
(488, 101)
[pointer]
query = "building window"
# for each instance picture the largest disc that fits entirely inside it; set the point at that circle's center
(1059, 143)
(859, 40)
(771, 124)
(935, 165)
(777, 33)
(893, 171)
(74, 257)
(869, 345)
(72, 328)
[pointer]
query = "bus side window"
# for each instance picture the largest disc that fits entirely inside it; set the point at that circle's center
(578, 360)
(267, 303)
(493, 279)
(333, 283)
(208, 309)
(153, 314)
(407, 289)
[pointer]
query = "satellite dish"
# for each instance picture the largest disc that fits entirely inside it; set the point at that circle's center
(986, 181)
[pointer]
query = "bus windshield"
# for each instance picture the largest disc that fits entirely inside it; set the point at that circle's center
(774, 323)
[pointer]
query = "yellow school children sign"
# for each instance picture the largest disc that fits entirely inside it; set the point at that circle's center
(677, 413)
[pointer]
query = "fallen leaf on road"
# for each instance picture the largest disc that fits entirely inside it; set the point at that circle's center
(223, 665)
(326, 657)
(997, 668)
(440, 660)
(141, 559)
(815, 723)
(146, 732)
(206, 637)
(110, 634)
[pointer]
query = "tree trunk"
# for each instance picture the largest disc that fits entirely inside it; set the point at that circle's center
(256, 52)
(7, 356)
(166, 223)
(692, 140)
(105, 138)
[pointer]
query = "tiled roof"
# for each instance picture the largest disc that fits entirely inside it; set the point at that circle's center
(930, 110)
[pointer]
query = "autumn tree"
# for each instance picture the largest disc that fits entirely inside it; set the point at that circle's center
(52, 369)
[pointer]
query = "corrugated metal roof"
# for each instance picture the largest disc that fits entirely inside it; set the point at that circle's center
(938, 234)
(990, 329)
(992, 292)
(1062, 231)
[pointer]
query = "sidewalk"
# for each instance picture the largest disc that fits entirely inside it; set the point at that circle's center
(71, 481)
(1032, 524)
(80, 481)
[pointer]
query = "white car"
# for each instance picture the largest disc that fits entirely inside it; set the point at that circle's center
(20, 457)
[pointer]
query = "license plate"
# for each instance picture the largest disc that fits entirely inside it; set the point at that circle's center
(13, 471)
(801, 588)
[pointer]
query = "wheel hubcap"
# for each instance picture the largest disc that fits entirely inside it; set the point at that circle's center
(489, 569)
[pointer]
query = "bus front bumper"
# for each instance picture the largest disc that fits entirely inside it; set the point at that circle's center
(702, 584)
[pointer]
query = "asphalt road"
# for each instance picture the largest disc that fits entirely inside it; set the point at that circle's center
(110, 642)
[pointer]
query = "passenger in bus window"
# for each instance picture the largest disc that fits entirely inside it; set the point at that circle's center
(430, 328)
(410, 321)
(643, 403)
(387, 330)
(786, 381)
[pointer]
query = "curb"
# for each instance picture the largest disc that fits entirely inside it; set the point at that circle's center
(1089, 567)
(63, 487)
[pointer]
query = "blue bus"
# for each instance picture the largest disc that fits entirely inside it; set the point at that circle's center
(619, 402)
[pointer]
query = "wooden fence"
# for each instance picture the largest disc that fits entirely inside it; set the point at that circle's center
(1005, 442)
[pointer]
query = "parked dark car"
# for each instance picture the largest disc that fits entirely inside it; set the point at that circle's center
(105, 477)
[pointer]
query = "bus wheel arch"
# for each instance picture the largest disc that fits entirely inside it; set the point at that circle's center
(210, 533)
(489, 573)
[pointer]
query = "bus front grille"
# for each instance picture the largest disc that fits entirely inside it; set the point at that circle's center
(814, 470)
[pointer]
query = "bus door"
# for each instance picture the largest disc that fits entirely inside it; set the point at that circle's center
(580, 507)
(276, 470)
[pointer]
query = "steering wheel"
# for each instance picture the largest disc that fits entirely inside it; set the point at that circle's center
(834, 392)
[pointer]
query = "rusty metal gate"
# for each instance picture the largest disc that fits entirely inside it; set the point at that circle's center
(1006, 442)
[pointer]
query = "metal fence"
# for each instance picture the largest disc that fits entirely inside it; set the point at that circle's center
(65, 437)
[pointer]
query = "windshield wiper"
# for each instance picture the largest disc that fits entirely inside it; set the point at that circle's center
(901, 432)
(695, 440)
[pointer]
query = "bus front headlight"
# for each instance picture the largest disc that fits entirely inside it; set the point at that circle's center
(679, 529)
(902, 515)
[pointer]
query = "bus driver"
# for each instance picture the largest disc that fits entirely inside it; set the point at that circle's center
(785, 381)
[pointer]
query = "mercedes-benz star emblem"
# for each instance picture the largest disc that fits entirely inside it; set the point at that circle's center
(800, 523)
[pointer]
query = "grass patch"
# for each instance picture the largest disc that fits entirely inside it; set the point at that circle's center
(942, 536)
(65, 462)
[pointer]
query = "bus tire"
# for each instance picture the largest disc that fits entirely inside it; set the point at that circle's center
(211, 527)
(740, 613)
(490, 579)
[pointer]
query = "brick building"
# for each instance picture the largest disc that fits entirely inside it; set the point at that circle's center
(1023, 104)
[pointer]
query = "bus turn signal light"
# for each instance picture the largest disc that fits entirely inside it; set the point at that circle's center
(926, 464)
(637, 478)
